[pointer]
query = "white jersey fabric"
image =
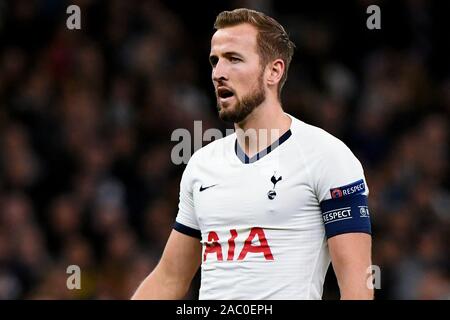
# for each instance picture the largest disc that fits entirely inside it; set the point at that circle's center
(261, 223)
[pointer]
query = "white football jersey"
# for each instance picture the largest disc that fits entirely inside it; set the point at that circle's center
(260, 220)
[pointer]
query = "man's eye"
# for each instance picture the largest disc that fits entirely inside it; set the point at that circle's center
(234, 59)
(213, 61)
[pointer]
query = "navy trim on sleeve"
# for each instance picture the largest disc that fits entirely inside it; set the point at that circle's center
(187, 230)
(346, 215)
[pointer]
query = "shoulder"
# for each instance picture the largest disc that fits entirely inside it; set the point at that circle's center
(318, 144)
(312, 137)
(326, 158)
(212, 152)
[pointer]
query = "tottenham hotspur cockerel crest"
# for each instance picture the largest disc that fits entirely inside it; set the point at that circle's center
(272, 193)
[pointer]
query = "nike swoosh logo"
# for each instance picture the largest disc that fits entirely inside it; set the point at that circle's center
(204, 188)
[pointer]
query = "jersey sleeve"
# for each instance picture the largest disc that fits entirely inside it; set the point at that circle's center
(342, 191)
(186, 220)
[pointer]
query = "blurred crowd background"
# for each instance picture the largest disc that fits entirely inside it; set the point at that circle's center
(86, 118)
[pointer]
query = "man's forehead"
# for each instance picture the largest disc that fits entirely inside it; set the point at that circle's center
(242, 35)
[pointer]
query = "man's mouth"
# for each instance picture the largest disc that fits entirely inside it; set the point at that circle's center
(224, 94)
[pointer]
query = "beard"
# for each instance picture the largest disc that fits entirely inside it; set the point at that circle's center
(243, 107)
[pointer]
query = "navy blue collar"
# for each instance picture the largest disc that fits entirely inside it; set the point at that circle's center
(245, 159)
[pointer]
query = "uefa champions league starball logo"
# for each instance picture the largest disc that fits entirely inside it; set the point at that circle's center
(336, 193)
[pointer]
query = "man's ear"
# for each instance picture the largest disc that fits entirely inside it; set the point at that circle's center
(275, 71)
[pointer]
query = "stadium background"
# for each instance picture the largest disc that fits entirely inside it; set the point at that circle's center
(86, 118)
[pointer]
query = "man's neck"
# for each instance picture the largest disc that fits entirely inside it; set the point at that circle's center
(262, 127)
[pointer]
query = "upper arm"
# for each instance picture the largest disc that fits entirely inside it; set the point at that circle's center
(182, 255)
(186, 220)
(341, 190)
(351, 259)
(173, 275)
(181, 258)
(353, 248)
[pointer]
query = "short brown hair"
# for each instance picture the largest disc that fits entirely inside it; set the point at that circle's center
(273, 41)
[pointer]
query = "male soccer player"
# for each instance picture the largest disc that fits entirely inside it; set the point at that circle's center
(264, 220)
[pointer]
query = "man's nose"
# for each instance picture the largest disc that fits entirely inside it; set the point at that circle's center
(220, 72)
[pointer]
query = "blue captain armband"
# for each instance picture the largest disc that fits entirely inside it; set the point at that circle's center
(346, 215)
